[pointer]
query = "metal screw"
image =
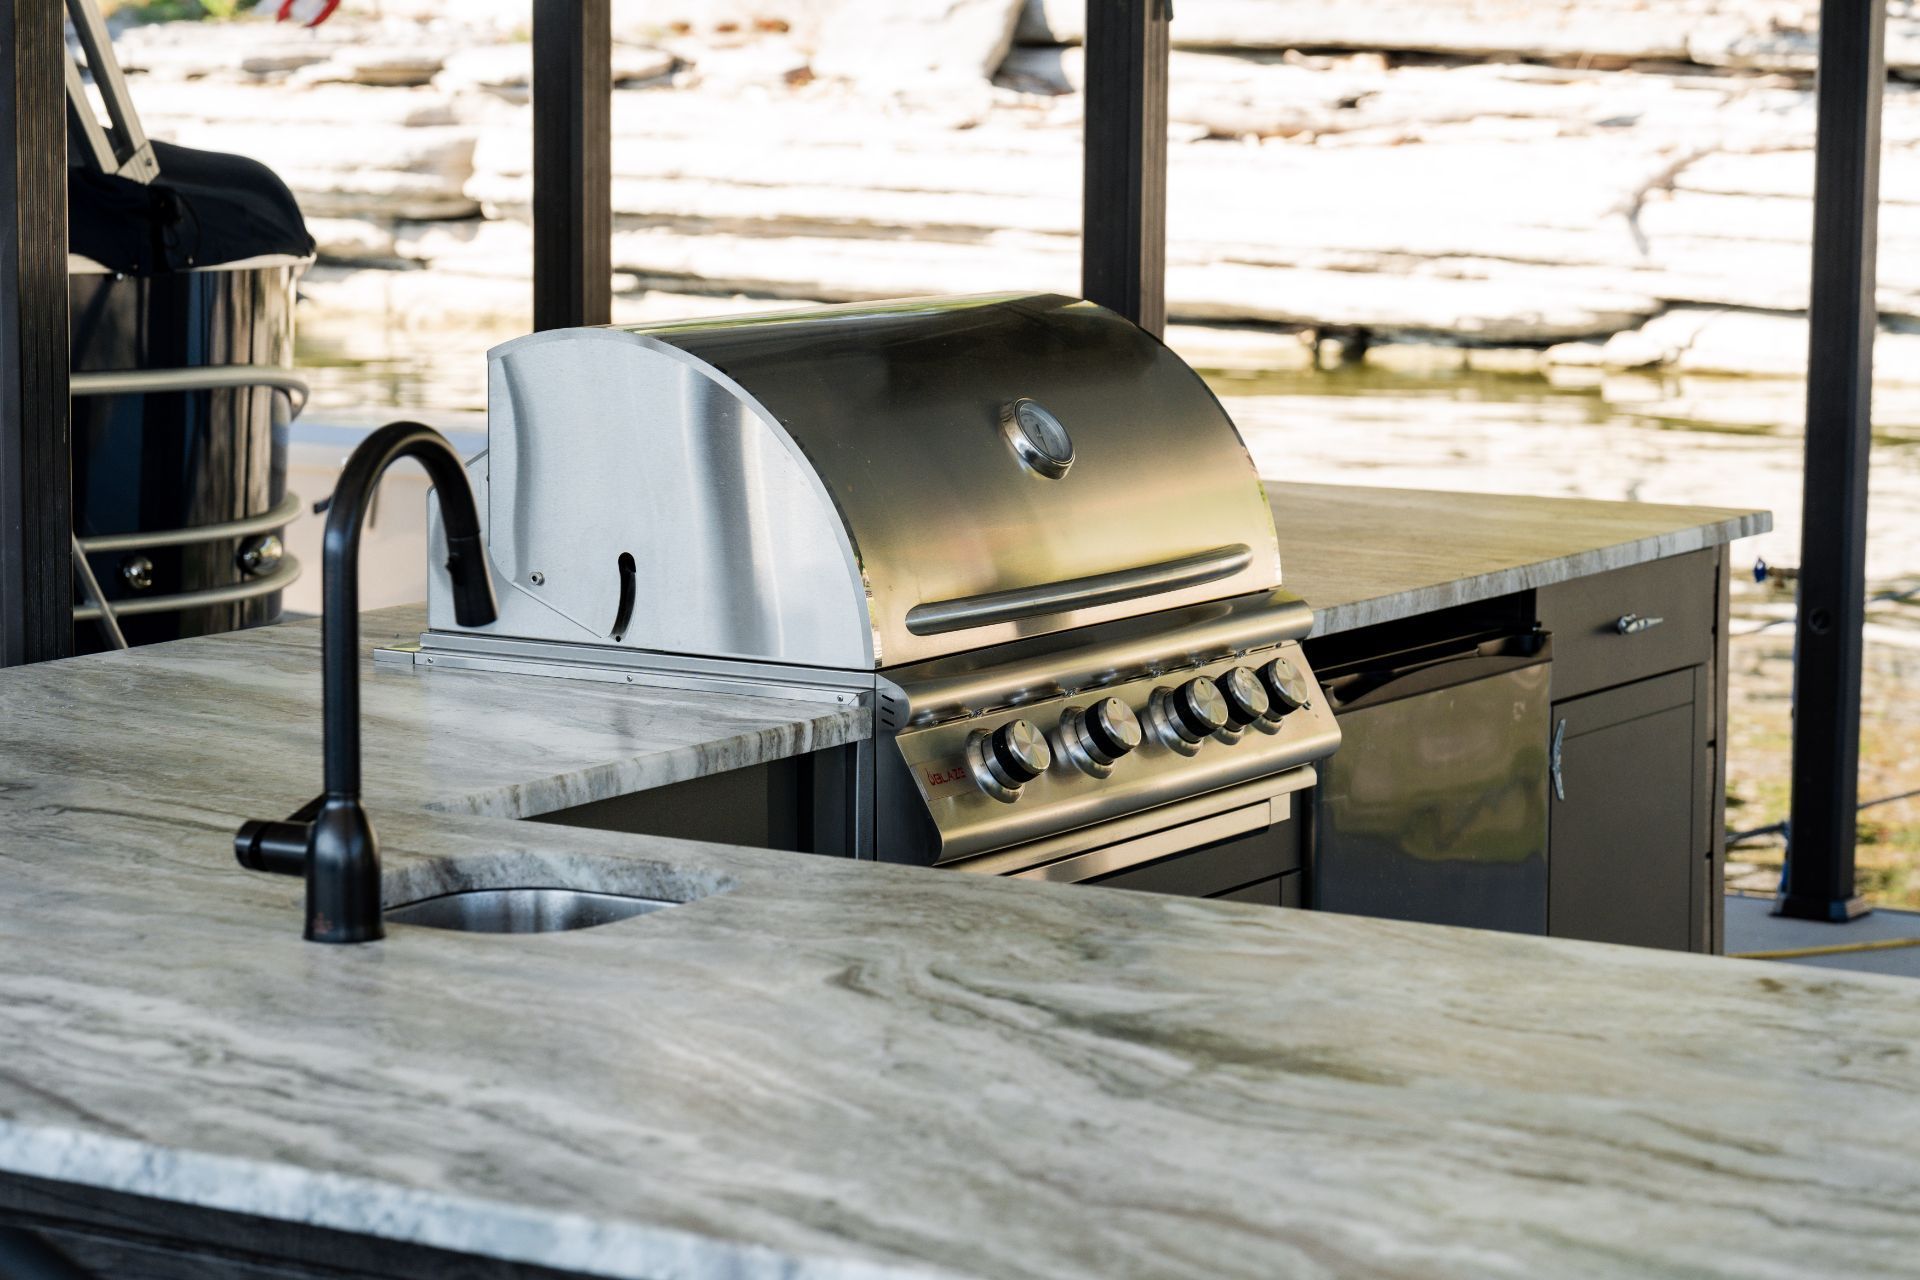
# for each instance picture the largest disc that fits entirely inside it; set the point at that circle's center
(537, 578)
(137, 571)
(262, 554)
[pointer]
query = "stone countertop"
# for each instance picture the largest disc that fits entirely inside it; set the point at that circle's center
(818, 1068)
(453, 741)
(1362, 556)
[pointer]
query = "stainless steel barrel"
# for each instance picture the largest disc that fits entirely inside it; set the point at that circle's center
(182, 395)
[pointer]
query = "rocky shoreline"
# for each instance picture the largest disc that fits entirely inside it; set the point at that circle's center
(1616, 184)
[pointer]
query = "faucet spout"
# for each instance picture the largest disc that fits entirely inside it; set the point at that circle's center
(340, 582)
(331, 840)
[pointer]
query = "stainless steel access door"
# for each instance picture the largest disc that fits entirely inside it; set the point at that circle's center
(1435, 807)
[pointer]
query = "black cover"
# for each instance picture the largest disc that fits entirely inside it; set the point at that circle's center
(205, 208)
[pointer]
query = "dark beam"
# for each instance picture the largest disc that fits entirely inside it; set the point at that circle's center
(1842, 317)
(1123, 248)
(36, 582)
(572, 162)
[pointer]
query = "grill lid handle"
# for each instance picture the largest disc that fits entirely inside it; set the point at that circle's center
(1078, 593)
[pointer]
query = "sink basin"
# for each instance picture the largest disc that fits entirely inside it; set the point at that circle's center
(522, 910)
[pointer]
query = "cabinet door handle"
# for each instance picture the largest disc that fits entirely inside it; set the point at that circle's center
(1632, 624)
(1553, 761)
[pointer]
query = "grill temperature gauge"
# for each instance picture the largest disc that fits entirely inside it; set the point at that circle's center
(1037, 437)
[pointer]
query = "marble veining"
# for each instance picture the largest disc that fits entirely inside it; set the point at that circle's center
(817, 1068)
(820, 1070)
(1362, 556)
(481, 743)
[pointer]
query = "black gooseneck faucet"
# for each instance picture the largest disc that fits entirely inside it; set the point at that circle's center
(329, 839)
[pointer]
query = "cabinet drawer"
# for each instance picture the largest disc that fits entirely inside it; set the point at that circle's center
(1590, 649)
(1217, 868)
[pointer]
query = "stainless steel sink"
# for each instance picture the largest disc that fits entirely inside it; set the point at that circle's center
(522, 910)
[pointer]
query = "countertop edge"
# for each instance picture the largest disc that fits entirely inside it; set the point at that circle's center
(373, 1208)
(835, 726)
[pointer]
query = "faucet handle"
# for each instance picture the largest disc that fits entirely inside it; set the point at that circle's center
(280, 847)
(474, 604)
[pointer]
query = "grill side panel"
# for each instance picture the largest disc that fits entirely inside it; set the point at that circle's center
(631, 498)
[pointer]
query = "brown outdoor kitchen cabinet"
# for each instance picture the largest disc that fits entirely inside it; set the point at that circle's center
(1582, 797)
(1637, 795)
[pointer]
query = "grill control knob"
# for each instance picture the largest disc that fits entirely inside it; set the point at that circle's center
(1245, 696)
(1112, 729)
(1094, 737)
(1199, 709)
(1287, 689)
(1017, 753)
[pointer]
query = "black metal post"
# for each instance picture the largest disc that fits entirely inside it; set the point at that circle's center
(572, 162)
(36, 531)
(1123, 247)
(1842, 317)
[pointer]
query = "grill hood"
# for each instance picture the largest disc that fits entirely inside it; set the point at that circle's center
(858, 486)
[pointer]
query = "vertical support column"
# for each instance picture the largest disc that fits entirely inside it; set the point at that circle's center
(1842, 317)
(1715, 941)
(572, 162)
(1123, 248)
(36, 531)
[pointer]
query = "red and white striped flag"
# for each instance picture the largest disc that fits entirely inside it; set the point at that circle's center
(308, 13)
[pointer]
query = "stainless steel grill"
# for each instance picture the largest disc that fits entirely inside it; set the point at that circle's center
(1017, 526)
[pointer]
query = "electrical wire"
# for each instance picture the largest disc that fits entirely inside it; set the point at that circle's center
(1735, 838)
(1838, 948)
(1885, 597)
(1779, 828)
